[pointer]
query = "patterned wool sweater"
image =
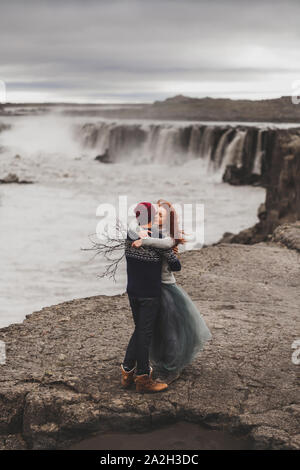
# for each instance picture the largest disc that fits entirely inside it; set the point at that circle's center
(144, 266)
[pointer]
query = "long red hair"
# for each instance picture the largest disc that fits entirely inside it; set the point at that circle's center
(175, 233)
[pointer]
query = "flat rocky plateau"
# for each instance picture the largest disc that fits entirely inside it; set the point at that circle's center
(61, 380)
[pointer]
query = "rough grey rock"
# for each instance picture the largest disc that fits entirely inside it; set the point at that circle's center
(61, 380)
(239, 176)
(104, 157)
(13, 178)
(288, 235)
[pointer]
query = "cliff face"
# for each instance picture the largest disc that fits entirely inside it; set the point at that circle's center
(281, 177)
(283, 189)
(61, 379)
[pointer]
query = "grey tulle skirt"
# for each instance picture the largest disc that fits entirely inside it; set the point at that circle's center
(179, 332)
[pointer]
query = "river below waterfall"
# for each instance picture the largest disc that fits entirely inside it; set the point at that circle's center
(44, 225)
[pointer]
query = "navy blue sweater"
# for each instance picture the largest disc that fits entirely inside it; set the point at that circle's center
(144, 267)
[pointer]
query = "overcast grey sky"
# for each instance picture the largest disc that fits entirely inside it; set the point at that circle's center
(144, 50)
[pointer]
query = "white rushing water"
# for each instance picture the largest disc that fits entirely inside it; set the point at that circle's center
(44, 225)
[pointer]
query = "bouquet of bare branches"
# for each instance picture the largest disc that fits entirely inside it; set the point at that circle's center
(112, 248)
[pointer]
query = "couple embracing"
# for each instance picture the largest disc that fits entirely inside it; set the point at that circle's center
(169, 329)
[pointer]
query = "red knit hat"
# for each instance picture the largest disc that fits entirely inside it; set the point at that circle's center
(145, 212)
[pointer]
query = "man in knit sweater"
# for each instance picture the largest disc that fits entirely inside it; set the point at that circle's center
(144, 265)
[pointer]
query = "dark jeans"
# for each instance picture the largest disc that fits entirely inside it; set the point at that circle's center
(144, 310)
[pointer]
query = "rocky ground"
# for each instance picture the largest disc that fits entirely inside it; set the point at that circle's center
(61, 380)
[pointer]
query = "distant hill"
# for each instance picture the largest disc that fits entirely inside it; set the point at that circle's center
(182, 107)
(216, 109)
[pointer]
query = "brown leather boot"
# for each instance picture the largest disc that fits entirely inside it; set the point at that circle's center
(145, 383)
(127, 377)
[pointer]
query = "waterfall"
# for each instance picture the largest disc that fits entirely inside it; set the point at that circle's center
(172, 143)
(206, 143)
(222, 146)
(195, 141)
(233, 152)
(259, 153)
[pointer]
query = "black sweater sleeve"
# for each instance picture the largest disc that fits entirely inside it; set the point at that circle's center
(173, 262)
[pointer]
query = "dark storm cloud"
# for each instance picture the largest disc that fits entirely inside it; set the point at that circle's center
(148, 49)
